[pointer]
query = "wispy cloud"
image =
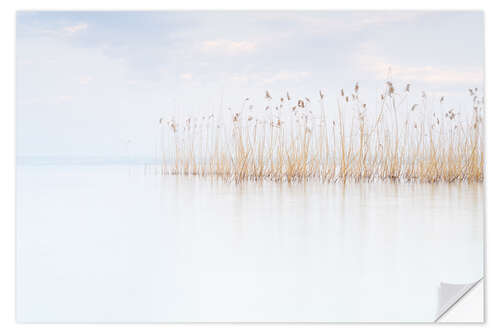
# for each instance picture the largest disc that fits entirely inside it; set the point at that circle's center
(268, 78)
(228, 46)
(62, 99)
(366, 20)
(343, 23)
(286, 75)
(381, 67)
(186, 76)
(85, 79)
(75, 28)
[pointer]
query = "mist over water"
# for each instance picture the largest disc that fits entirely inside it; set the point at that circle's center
(113, 243)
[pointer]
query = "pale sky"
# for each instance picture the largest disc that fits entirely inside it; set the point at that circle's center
(89, 82)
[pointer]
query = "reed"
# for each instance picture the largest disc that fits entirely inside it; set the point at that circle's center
(289, 141)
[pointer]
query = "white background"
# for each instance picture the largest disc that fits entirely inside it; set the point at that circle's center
(7, 163)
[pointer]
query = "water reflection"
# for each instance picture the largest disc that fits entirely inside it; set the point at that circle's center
(203, 250)
(377, 242)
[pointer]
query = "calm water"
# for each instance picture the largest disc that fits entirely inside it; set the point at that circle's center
(108, 243)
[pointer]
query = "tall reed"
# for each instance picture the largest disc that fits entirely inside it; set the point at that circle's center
(289, 141)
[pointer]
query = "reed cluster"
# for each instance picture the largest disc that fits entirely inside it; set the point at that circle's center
(289, 139)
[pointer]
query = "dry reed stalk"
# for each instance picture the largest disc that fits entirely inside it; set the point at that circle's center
(294, 144)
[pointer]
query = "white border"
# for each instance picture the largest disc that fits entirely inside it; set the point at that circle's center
(7, 163)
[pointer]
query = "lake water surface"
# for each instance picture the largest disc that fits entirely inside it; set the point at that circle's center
(113, 244)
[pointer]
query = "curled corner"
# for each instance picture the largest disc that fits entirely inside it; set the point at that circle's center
(449, 294)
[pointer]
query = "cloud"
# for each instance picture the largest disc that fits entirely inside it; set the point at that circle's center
(286, 76)
(366, 20)
(381, 67)
(328, 23)
(268, 78)
(186, 76)
(63, 99)
(85, 79)
(228, 46)
(75, 28)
